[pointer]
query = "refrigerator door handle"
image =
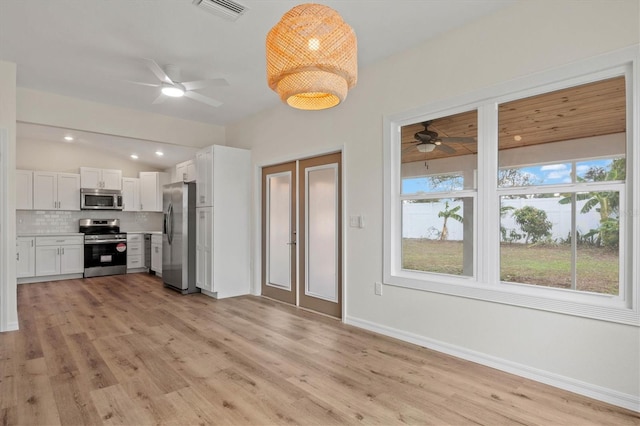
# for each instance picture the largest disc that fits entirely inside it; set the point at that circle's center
(170, 224)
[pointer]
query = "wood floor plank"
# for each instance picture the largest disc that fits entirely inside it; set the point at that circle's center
(125, 350)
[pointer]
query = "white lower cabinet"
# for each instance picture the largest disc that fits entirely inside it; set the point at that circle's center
(59, 255)
(25, 257)
(156, 254)
(135, 251)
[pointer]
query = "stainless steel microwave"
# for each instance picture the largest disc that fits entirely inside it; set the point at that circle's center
(100, 199)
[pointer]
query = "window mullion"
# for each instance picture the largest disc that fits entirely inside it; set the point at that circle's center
(488, 229)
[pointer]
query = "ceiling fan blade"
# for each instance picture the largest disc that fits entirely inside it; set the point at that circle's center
(458, 139)
(201, 84)
(446, 148)
(160, 99)
(159, 72)
(200, 98)
(141, 83)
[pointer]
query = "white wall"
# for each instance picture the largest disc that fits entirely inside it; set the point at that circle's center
(8, 307)
(61, 111)
(69, 157)
(593, 357)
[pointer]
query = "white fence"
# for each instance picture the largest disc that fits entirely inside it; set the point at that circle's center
(420, 220)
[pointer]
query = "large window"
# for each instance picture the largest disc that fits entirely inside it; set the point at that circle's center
(438, 192)
(521, 198)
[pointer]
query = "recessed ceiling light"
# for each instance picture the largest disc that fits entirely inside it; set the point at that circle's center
(135, 157)
(68, 138)
(159, 153)
(517, 138)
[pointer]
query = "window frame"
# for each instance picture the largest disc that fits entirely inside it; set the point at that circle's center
(485, 284)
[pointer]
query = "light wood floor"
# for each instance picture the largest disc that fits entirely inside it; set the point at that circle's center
(124, 350)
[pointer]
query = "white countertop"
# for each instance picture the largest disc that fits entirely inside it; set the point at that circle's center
(143, 232)
(52, 234)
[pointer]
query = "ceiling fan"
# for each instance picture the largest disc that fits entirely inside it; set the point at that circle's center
(172, 86)
(428, 140)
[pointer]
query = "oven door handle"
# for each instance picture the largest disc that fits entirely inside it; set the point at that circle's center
(91, 242)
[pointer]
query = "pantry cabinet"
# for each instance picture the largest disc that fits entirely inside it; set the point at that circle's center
(56, 191)
(93, 178)
(223, 226)
(151, 190)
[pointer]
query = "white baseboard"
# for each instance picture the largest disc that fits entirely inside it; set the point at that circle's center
(600, 393)
(12, 326)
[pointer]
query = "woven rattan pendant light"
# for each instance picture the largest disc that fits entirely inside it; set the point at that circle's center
(312, 57)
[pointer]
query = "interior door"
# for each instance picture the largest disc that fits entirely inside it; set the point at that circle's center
(320, 234)
(279, 232)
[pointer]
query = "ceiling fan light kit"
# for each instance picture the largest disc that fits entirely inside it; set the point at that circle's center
(172, 90)
(312, 57)
(426, 147)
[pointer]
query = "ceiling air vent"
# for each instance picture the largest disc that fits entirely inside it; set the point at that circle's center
(224, 8)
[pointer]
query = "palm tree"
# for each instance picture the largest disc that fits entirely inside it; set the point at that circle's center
(447, 214)
(606, 203)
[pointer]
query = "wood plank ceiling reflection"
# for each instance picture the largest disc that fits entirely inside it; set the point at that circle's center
(593, 109)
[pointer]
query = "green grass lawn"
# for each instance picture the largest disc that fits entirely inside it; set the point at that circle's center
(545, 265)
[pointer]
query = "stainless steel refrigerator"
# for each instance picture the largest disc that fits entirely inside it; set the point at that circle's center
(179, 237)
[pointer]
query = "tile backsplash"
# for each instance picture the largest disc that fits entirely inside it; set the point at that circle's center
(55, 221)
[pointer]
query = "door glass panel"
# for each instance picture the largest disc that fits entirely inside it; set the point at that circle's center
(322, 231)
(279, 230)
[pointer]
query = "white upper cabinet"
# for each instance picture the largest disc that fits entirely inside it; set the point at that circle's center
(56, 191)
(186, 171)
(130, 194)
(24, 190)
(151, 190)
(101, 178)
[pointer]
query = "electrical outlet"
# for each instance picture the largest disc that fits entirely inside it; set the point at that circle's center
(354, 221)
(378, 289)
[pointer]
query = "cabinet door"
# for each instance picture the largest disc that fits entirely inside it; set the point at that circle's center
(204, 240)
(26, 257)
(181, 172)
(72, 259)
(131, 194)
(112, 179)
(156, 258)
(24, 190)
(91, 177)
(45, 191)
(47, 260)
(204, 170)
(191, 171)
(148, 191)
(68, 191)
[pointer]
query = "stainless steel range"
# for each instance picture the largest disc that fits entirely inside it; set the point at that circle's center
(105, 247)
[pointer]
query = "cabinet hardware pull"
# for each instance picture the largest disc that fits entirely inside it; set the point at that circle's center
(18, 257)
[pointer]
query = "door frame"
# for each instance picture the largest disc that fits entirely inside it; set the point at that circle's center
(257, 209)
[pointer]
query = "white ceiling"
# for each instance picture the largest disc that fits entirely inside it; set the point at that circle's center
(89, 49)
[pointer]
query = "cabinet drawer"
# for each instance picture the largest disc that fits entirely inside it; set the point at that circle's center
(134, 261)
(134, 238)
(59, 241)
(134, 248)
